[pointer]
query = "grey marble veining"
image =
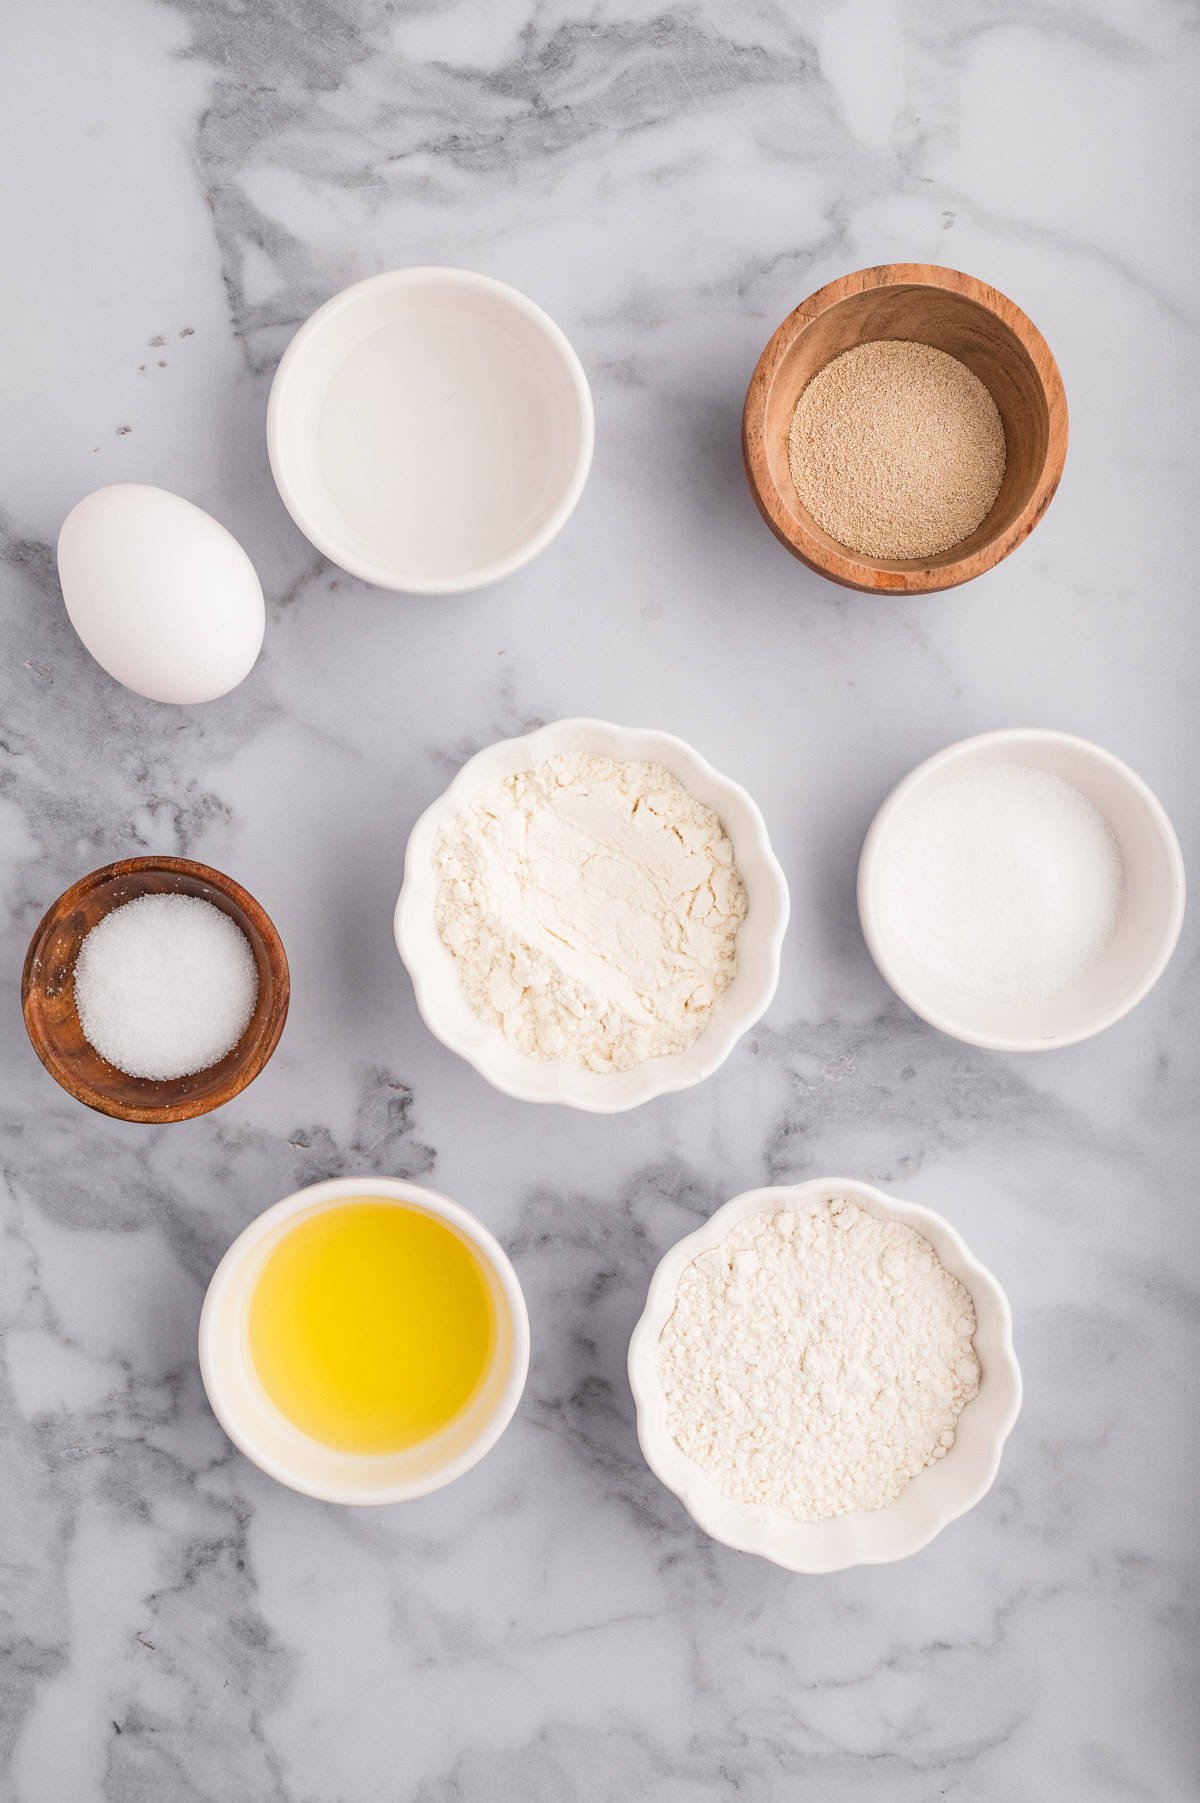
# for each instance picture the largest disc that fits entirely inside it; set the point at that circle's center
(187, 180)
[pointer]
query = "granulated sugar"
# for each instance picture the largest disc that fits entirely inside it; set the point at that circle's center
(897, 449)
(1003, 881)
(165, 985)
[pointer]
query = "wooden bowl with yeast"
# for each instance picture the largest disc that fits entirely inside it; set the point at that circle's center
(919, 303)
(48, 993)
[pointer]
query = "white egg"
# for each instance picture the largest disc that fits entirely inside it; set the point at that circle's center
(164, 598)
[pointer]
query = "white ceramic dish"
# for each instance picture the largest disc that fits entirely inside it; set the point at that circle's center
(268, 1438)
(439, 994)
(430, 430)
(1146, 935)
(940, 1493)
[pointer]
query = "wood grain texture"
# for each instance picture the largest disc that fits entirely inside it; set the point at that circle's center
(954, 313)
(48, 993)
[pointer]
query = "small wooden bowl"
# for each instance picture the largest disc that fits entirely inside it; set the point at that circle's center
(954, 313)
(48, 993)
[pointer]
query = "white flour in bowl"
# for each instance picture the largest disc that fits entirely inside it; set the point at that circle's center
(817, 1359)
(592, 908)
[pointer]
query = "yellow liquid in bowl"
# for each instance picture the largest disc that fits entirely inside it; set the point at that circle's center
(372, 1325)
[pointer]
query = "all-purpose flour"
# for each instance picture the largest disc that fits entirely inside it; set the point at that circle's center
(818, 1359)
(593, 909)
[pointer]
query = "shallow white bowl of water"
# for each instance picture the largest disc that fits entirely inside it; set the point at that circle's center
(430, 430)
(1148, 922)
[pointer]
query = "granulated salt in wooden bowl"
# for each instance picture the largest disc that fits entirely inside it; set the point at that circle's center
(919, 304)
(52, 1019)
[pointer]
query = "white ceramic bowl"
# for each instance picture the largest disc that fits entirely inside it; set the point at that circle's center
(1147, 932)
(931, 1500)
(439, 993)
(269, 1439)
(430, 430)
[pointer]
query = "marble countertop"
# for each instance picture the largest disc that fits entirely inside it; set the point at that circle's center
(189, 179)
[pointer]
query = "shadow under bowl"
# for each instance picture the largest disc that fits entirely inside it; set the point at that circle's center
(955, 313)
(52, 1020)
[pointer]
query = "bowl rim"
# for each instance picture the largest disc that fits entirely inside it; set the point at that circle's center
(166, 1113)
(1018, 736)
(326, 1194)
(556, 1081)
(910, 576)
(278, 440)
(770, 1535)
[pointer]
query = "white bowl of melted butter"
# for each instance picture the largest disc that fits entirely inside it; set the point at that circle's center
(364, 1341)
(953, 1482)
(438, 977)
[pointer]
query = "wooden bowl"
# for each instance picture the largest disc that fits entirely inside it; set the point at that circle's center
(954, 313)
(48, 993)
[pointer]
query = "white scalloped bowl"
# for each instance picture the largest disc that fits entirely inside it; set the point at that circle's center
(926, 1505)
(440, 998)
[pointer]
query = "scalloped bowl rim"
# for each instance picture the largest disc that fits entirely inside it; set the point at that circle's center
(870, 1537)
(439, 996)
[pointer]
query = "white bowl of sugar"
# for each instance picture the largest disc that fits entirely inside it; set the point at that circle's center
(1021, 890)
